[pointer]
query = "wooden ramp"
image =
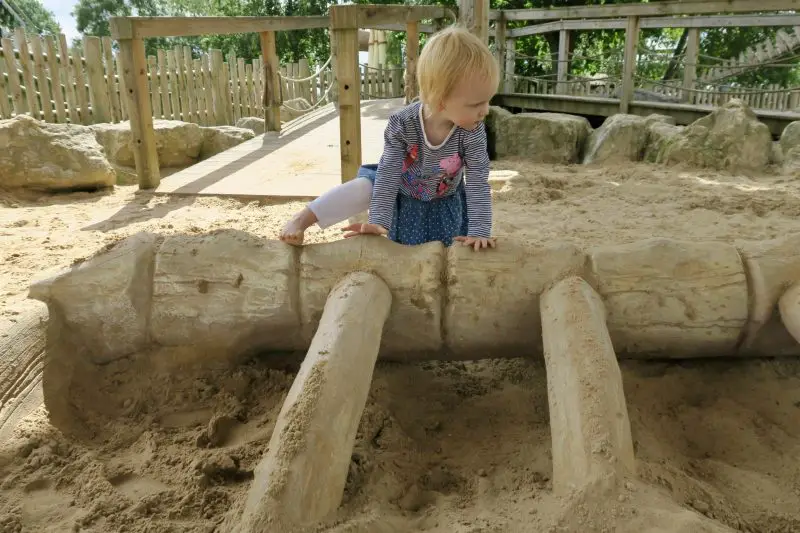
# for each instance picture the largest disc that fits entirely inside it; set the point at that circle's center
(303, 161)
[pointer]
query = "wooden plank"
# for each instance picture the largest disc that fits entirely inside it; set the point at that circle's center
(707, 21)
(271, 96)
(511, 54)
(43, 89)
(370, 15)
(225, 89)
(111, 79)
(81, 93)
(174, 92)
(344, 21)
(208, 90)
(155, 87)
(399, 26)
(199, 92)
(412, 54)
(216, 87)
(5, 93)
(166, 108)
(249, 88)
(234, 81)
(14, 87)
(649, 9)
(563, 61)
(258, 85)
(629, 65)
(243, 87)
(180, 69)
(142, 27)
(27, 73)
(68, 80)
(121, 81)
(190, 84)
(303, 72)
(690, 64)
(54, 74)
(98, 90)
(134, 70)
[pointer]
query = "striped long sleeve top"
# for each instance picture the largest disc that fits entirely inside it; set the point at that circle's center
(411, 166)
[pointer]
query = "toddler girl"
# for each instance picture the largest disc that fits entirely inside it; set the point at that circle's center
(417, 193)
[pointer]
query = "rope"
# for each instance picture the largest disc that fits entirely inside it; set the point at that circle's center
(313, 107)
(300, 80)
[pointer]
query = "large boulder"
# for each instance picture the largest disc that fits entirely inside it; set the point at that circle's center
(220, 138)
(790, 145)
(542, 137)
(256, 124)
(178, 143)
(53, 157)
(492, 122)
(296, 107)
(659, 135)
(730, 138)
(621, 138)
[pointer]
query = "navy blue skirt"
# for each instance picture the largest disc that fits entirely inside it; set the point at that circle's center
(419, 221)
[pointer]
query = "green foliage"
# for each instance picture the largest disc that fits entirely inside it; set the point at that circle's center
(36, 17)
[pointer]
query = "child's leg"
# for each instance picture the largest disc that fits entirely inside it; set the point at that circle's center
(336, 205)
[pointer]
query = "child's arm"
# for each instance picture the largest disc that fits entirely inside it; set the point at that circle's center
(479, 194)
(390, 172)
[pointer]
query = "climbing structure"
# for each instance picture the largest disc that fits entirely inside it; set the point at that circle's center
(762, 53)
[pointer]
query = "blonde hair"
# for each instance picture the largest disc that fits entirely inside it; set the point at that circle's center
(447, 58)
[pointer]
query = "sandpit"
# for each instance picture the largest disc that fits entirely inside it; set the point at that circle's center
(442, 446)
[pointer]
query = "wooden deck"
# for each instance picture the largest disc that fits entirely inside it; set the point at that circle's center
(301, 162)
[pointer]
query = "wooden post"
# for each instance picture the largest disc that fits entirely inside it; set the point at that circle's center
(511, 50)
(690, 63)
(344, 22)
(334, 94)
(272, 95)
(412, 54)
(474, 14)
(563, 61)
(500, 28)
(629, 67)
(134, 71)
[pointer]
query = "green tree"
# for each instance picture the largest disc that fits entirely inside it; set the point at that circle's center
(37, 18)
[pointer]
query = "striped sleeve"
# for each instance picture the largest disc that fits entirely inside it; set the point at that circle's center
(387, 179)
(479, 194)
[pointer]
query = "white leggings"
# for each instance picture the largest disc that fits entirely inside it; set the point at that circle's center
(342, 202)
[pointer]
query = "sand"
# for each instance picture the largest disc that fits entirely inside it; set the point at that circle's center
(442, 447)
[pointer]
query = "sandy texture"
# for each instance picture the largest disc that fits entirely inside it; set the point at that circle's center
(442, 447)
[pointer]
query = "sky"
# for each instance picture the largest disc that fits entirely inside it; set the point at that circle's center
(62, 10)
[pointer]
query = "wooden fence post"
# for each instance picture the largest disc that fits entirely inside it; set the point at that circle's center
(500, 28)
(690, 63)
(134, 71)
(563, 61)
(629, 66)
(344, 22)
(412, 54)
(272, 95)
(511, 52)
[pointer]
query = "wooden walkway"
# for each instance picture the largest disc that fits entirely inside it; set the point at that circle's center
(301, 162)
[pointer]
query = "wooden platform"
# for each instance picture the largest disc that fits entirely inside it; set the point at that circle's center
(302, 162)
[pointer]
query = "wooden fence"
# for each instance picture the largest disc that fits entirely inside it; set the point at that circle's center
(67, 87)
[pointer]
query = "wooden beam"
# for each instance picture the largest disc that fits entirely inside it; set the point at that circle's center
(421, 28)
(511, 56)
(740, 21)
(690, 64)
(629, 65)
(142, 27)
(412, 55)
(370, 15)
(272, 96)
(563, 61)
(649, 9)
(345, 24)
(481, 19)
(500, 49)
(134, 73)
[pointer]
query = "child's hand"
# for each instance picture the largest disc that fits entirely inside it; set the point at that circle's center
(364, 229)
(477, 242)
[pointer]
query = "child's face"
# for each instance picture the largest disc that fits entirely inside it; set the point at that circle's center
(468, 103)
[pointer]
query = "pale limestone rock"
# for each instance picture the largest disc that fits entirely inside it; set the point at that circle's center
(542, 137)
(790, 146)
(178, 143)
(672, 298)
(256, 124)
(492, 123)
(621, 138)
(227, 291)
(730, 138)
(772, 267)
(105, 300)
(413, 273)
(217, 139)
(659, 135)
(655, 117)
(493, 297)
(51, 157)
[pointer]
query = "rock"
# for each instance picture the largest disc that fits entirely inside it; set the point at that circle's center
(542, 137)
(643, 95)
(104, 301)
(217, 139)
(655, 117)
(291, 109)
(730, 138)
(178, 143)
(620, 138)
(659, 134)
(51, 157)
(226, 292)
(492, 122)
(790, 145)
(256, 124)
